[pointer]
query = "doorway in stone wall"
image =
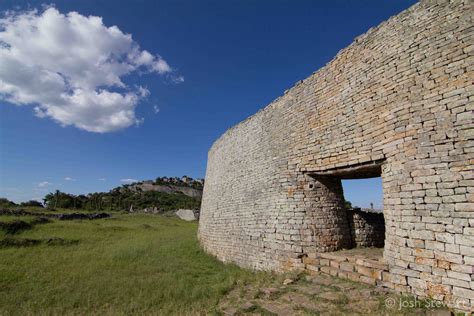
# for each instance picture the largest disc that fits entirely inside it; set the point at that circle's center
(362, 191)
(364, 204)
(363, 259)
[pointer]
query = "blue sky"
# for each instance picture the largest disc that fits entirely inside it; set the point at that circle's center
(227, 59)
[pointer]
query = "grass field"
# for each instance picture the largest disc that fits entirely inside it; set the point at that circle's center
(126, 264)
(153, 265)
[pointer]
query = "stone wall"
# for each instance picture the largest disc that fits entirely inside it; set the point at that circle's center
(399, 97)
(356, 267)
(367, 228)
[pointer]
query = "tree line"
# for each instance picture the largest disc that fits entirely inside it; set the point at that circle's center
(121, 200)
(118, 199)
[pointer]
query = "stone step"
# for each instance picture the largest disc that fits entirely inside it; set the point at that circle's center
(356, 268)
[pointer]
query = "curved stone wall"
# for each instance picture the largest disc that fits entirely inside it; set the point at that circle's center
(400, 97)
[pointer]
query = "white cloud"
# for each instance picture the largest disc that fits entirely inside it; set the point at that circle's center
(69, 179)
(44, 184)
(70, 67)
(102, 179)
(156, 109)
(128, 180)
(178, 79)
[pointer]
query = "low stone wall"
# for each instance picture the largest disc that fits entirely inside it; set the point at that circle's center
(367, 228)
(373, 270)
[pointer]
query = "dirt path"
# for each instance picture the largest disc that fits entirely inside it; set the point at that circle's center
(320, 295)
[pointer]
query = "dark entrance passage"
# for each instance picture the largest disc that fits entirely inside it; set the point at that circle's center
(361, 189)
(365, 212)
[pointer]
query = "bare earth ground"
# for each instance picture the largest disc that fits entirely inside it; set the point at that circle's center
(320, 295)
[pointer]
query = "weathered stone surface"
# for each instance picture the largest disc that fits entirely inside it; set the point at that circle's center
(367, 228)
(187, 215)
(397, 103)
(288, 281)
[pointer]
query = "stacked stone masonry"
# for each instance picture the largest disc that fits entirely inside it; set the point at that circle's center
(367, 228)
(373, 271)
(399, 97)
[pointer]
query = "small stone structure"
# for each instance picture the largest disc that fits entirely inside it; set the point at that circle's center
(397, 103)
(367, 228)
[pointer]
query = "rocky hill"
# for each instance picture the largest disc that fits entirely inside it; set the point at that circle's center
(185, 185)
(169, 188)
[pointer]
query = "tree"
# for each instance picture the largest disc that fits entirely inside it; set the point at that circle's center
(6, 203)
(348, 204)
(31, 203)
(59, 199)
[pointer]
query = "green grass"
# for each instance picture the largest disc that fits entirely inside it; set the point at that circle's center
(127, 264)
(46, 210)
(9, 219)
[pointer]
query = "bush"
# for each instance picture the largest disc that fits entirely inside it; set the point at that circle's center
(5, 203)
(31, 203)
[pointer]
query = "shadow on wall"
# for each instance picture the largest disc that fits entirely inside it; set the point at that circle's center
(367, 228)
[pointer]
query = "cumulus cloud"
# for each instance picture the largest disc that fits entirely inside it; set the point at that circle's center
(156, 109)
(69, 179)
(70, 67)
(128, 180)
(44, 184)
